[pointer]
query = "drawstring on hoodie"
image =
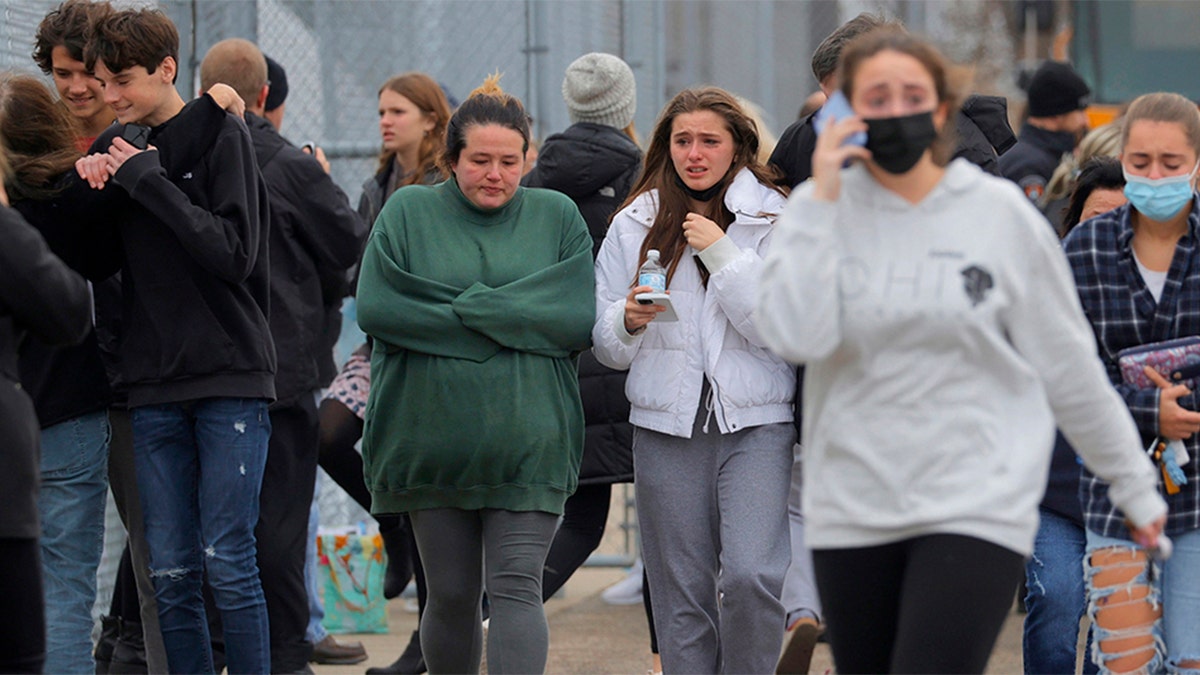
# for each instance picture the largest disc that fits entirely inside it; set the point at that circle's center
(709, 404)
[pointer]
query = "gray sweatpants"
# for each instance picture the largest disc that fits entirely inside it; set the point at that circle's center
(800, 597)
(462, 550)
(713, 516)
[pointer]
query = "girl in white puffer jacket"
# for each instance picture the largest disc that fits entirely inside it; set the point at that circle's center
(711, 405)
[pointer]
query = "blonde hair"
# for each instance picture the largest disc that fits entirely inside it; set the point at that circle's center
(766, 139)
(1164, 107)
(1103, 141)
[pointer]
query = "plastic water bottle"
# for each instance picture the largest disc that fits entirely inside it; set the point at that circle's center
(652, 273)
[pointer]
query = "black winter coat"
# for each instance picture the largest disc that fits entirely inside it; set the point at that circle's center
(42, 296)
(595, 165)
(315, 239)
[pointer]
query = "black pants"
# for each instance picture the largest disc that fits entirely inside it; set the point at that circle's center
(933, 604)
(584, 516)
(22, 612)
(340, 429)
(282, 530)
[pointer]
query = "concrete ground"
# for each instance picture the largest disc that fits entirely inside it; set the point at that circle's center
(589, 636)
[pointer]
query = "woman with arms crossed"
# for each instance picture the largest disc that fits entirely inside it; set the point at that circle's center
(477, 293)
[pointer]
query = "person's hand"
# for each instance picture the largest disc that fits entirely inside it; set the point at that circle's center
(318, 154)
(1174, 421)
(120, 151)
(94, 169)
(700, 232)
(830, 155)
(638, 315)
(1147, 535)
(227, 98)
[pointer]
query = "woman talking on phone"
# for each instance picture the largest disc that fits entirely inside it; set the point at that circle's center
(943, 338)
(710, 405)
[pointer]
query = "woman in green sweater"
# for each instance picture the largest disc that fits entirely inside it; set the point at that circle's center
(478, 293)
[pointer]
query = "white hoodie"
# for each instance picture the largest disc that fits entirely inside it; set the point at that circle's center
(943, 340)
(715, 334)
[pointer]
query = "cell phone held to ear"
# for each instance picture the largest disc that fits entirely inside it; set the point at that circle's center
(837, 108)
(662, 300)
(137, 135)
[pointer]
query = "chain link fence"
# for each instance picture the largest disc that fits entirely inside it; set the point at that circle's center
(337, 53)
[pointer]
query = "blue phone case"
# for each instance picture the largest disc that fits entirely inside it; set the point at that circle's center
(837, 108)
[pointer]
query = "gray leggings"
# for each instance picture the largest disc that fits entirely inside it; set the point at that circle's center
(463, 550)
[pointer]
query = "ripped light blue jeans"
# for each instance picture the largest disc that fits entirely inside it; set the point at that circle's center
(199, 472)
(1119, 611)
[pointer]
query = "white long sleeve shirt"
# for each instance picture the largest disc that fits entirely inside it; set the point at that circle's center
(943, 340)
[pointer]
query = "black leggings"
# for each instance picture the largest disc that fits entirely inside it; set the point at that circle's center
(584, 516)
(340, 430)
(22, 612)
(934, 604)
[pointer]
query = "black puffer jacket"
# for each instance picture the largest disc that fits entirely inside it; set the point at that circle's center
(595, 165)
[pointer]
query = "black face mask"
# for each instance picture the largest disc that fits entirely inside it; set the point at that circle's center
(897, 143)
(701, 195)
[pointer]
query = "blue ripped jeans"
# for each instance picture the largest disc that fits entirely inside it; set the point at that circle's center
(1170, 587)
(199, 472)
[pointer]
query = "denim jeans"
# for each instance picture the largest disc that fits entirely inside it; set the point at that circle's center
(199, 470)
(1055, 597)
(74, 472)
(1173, 583)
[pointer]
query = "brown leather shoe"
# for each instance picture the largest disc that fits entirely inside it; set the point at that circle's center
(331, 652)
(798, 645)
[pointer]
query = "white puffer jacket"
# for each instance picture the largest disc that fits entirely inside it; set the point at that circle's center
(715, 334)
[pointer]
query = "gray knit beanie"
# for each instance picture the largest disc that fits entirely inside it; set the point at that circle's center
(599, 88)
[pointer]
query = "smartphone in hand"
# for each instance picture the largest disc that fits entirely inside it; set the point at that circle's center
(837, 108)
(661, 299)
(137, 135)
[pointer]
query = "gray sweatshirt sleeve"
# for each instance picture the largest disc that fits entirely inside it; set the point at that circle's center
(1048, 327)
(799, 301)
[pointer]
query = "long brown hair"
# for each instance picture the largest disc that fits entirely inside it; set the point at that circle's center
(429, 98)
(38, 135)
(658, 172)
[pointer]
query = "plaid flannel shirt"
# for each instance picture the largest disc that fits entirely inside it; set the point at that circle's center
(1123, 314)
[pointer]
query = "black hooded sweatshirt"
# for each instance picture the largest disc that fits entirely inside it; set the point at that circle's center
(193, 228)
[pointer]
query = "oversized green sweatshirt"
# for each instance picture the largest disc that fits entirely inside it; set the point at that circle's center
(476, 316)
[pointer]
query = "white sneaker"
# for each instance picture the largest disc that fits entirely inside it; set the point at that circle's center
(627, 591)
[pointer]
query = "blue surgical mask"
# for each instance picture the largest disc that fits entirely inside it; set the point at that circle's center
(1159, 199)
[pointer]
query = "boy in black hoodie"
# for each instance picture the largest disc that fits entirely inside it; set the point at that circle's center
(196, 352)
